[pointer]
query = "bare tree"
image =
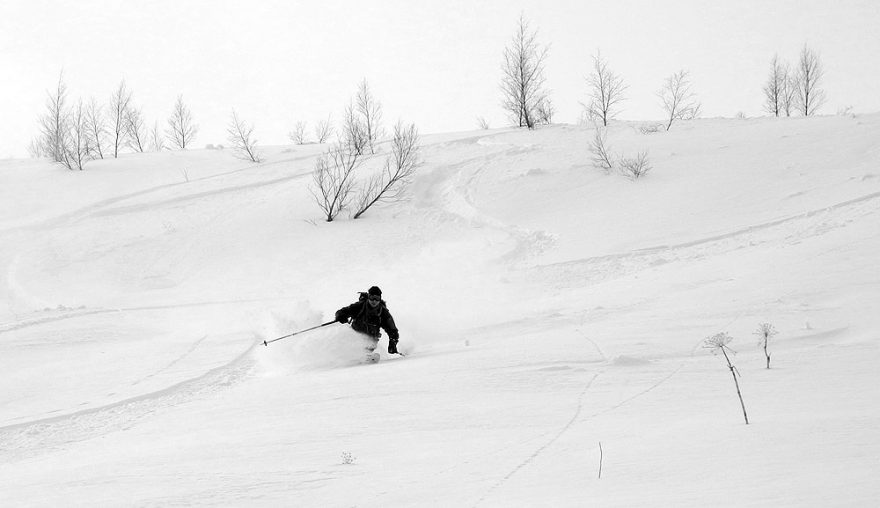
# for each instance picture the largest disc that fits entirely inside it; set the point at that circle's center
(77, 149)
(400, 165)
(241, 137)
(54, 124)
(602, 158)
(606, 90)
(765, 332)
(370, 111)
(157, 141)
(719, 342)
(135, 131)
(789, 91)
(298, 134)
(323, 130)
(119, 103)
(332, 179)
(522, 84)
(774, 89)
(96, 125)
(181, 130)
(679, 102)
(809, 96)
(354, 132)
(35, 148)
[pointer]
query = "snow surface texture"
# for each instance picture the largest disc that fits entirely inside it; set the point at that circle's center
(546, 307)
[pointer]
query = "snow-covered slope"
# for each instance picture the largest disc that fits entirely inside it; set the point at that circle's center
(546, 307)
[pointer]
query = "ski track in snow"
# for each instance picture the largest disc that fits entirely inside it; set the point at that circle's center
(37, 437)
(816, 222)
(99, 207)
(47, 434)
(536, 453)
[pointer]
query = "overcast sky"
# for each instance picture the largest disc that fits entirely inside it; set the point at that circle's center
(433, 63)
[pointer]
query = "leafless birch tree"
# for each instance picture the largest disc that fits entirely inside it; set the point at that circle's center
(606, 90)
(354, 132)
(181, 130)
(241, 137)
(522, 84)
(77, 149)
(323, 130)
(774, 89)
(96, 125)
(679, 102)
(119, 103)
(135, 130)
(397, 173)
(157, 141)
(809, 96)
(789, 91)
(332, 179)
(54, 123)
(370, 111)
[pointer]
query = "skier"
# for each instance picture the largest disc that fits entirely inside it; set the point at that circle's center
(367, 316)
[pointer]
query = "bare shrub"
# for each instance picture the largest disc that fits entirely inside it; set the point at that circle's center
(298, 134)
(241, 137)
(602, 158)
(482, 123)
(634, 167)
(651, 128)
(544, 112)
(397, 173)
(846, 111)
(679, 101)
(332, 179)
(719, 343)
(522, 84)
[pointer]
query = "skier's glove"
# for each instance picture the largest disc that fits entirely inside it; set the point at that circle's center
(340, 318)
(392, 346)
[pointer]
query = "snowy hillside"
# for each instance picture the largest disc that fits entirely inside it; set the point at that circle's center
(546, 307)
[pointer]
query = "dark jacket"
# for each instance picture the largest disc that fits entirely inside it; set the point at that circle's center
(367, 319)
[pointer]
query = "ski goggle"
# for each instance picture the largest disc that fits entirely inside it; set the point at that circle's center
(374, 298)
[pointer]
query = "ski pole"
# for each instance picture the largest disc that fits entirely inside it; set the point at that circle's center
(266, 342)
